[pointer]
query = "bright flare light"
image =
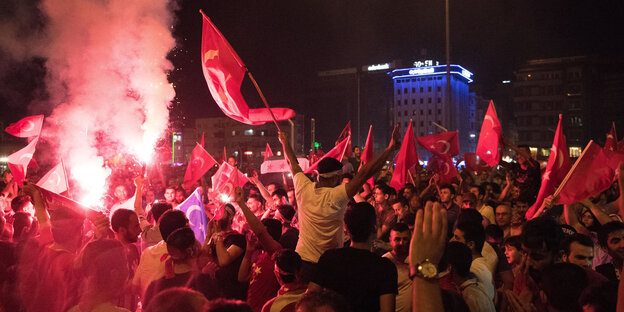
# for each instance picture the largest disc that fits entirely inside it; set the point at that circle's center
(224, 198)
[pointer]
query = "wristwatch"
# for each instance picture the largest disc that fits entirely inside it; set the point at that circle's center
(425, 270)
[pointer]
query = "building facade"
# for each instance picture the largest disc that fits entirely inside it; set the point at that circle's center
(420, 96)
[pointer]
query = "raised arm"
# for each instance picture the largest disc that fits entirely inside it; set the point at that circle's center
(289, 154)
(138, 197)
(570, 213)
(373, 166)
(267, 241)
(263, 191)
(41, 213)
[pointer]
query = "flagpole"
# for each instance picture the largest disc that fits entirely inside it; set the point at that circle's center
(567, 177)
(66, 179)
(439, 126)
(263, 98)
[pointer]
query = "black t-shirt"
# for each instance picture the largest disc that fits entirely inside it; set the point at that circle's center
(359, 275)
(289, 238)
(162, 284)
(528, 181)
(227, 276)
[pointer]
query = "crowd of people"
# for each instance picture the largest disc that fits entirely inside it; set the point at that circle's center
(331, 241)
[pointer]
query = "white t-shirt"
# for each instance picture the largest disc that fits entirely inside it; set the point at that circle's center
(321, 214)
(404, 298)
(480, 268)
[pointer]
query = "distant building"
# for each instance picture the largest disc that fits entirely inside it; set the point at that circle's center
(588, 92)
(420, 96)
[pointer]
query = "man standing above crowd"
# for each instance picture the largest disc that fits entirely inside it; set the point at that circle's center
(323, 204)
(527, 174)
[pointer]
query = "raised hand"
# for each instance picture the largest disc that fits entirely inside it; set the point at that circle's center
(429, 237)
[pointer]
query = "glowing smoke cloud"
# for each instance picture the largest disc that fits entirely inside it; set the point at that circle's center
(107, 65)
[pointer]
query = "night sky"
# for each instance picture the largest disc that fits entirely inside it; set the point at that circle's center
(284, 43)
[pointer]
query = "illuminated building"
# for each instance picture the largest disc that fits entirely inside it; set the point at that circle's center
(420, 96)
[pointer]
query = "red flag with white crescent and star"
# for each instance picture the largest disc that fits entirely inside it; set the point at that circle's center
(475, 163)
(405, 160)
(267, 152)
(55, 180)
(198, 165)
(556, 169)
(591, 176)
(27, 127)
(18, 161)
(445, 144)
(224, 72)
(489, 138)
(444, 167)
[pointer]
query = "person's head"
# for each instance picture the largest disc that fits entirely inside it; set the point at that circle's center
(182, 245)
(255, 202)
(121, 193)
(513, 250)
(415, 202)
(587, 219)
(611, 238)
(231, 161)
(330, 172)
(271, 187)
(357, 152)
(360, 220)
(502, 215)
(280, 197)
(274, 227)
(381, 193)
(285, 213)
(125, 224)
(169, 195)
(469, 201)
(578, 249)
(400, 207)
(447, 193)
(525, 154)
(150, 196)
(600, 298)
(177, 299)
(494, 235)
(400, 237)
(158, 209)
(104, 267)
(170, 221)
(478, 191)
(470, 216)
(22, 203)
(324, 300)
(562, 285)
(226, 305)
(471, 234)
(541, 238)
(22, 223)
(291, 197)
(459, 257)
(180, 195)
(287, 265)
(225, 223)
(67, 228)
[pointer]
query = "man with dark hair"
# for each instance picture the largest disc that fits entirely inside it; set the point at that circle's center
(447, 196)
(290, 235)
(324, 300)
(170, 195)
(280, 197)
(578, 249)
(356, 160)
(287, 266)
(611, 239)
(485, 210)
(472, 235)
(368, 282)
(459, 258)
(526, 173)
(401, 209)
(322, 205)
(255, 202)
(125, 224)
(563, 284)
(400, 237)
(385, 213)
(151, 266)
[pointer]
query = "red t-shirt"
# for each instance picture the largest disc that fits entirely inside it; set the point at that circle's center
(263, 284)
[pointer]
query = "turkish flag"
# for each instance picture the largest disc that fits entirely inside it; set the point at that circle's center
(55, 180)
(590, 177)
(26, 127)
(198, 165)
(224, 72)
(444, 167)
(445, 144)
(202, 141)
(556, 169)
(489, 138)
(367, 154)
(346, 132)
(224, 182)
(406, 159)
(337, 152)
(18, 161)
(475, 163)
(267, 152)
(611, 141)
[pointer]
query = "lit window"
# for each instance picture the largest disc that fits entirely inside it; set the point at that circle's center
(249, 132)
(575, 151)
(233, 132)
